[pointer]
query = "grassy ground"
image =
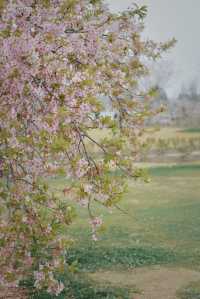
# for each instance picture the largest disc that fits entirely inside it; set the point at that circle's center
(192, 130)
(160, 226)
(191, 291)
(171, 132)
(163, 132)
(163, 215)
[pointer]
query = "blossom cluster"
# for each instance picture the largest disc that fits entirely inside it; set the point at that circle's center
(62, 63)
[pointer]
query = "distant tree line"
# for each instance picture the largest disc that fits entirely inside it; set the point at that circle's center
(183, 111)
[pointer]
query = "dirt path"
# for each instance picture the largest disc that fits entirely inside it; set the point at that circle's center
(153, 283)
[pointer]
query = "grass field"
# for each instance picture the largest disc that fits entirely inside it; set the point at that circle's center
(158, 132)
(160, 226)
(158, 233)
(162, 214)
(192, 130)
(171, 132)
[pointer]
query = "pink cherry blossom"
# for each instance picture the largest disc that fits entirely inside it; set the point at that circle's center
(61, 69)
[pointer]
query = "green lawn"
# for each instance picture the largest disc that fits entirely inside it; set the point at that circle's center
(191, 291)
(160, 225)
(192, 130)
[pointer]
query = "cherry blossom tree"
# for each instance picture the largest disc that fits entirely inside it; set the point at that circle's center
(61, 60)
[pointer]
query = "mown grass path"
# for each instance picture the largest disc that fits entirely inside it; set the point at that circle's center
(150, 282)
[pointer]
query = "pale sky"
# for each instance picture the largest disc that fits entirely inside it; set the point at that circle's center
(179, 19)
